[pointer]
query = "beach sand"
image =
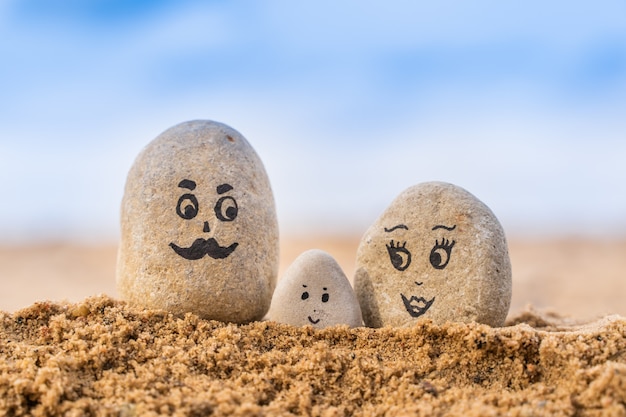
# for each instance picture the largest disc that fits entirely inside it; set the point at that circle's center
(97, 356)
(583, 278)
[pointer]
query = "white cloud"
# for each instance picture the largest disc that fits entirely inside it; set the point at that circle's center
(339, 139)
(537, 171)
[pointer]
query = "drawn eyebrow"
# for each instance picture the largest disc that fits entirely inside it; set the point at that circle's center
(221, 189)
(188, 184)
(400, 226)
(441, 226)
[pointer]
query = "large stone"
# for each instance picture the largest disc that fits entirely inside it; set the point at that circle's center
(198, 226)
(437, 253)
(314, 291)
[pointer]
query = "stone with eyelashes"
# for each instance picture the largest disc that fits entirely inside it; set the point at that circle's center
(437, 252)
(314, 291)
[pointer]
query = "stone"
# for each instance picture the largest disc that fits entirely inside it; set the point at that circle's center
(314, 291)
(437, 252)
(199, 232)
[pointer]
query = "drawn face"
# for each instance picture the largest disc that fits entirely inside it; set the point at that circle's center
(314, 291)
(314, 304)
(436, 252)
(188, 208)
(437, 258)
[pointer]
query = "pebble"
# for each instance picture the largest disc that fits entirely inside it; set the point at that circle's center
(314, 291)
(437, 252)
(198, 226)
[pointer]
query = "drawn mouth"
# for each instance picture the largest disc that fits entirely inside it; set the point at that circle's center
(313, 321)
(416, 306)
(201, 247)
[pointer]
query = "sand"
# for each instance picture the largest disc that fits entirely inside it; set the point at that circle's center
(100, 357)
(97, 356)
(584, 278)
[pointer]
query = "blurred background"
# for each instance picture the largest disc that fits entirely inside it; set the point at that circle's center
(523, 103)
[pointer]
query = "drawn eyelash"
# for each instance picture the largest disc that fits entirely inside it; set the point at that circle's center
(440, 253)
(397, 245)
(445, 243)
(399, 255)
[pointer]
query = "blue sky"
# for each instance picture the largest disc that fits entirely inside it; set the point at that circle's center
(347, 103)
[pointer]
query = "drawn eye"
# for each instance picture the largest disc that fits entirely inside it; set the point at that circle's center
(305, 295)
(187, 206)
(440, 254)
(325, 296)
(226, 209)
(399, 255)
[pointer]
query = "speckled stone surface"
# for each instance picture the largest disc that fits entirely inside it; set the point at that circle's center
(437, 252)
(314, 291)
(198, 226)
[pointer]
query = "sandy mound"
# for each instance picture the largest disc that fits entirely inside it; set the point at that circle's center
(100, 357)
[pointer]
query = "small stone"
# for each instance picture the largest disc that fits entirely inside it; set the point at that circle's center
(437, 252)
(198, 226)
(314, 291)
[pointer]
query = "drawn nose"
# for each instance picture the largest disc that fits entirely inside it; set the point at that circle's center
(206, 229)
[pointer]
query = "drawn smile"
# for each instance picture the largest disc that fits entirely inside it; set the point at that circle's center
(201, 247)
(313, 321)
(416, 306)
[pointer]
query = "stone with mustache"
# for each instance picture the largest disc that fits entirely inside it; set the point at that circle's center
(438, 253)
(198, 226)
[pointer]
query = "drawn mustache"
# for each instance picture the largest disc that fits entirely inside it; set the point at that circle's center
(201, 247)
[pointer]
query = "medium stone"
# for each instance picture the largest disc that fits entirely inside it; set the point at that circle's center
(198, 226)
(438, 253)
(314, 291)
